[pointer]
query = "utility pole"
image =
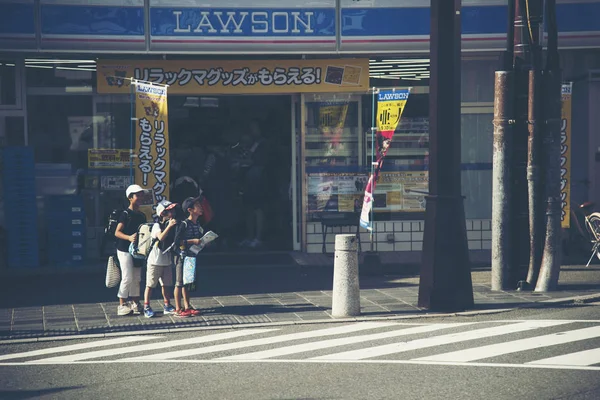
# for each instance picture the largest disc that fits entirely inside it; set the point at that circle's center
(550, 269)
(520, 238)
(534, 16)
(445, 279)
(504, 91)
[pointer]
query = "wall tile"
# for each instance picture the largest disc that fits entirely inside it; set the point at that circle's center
(474, 235)
(313, 248)
(403, 236)
(402, 246)
(474, 244)
(417, 236)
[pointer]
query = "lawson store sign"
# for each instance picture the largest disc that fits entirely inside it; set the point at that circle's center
(305, 28)
(265, 26)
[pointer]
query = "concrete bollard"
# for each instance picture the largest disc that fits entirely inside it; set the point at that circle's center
(346, 289)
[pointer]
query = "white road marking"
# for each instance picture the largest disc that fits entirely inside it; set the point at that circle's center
(585, 357)
(151, 346)
(498, 349)
(395, 348)
(361, 326)
(300, 348)
(313, 361)
(75, 347)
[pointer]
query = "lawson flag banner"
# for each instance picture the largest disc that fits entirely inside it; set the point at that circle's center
(390, 105)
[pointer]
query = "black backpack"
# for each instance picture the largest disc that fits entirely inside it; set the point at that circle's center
(113, 221)
(110, 228)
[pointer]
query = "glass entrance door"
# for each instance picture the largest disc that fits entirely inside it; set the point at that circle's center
(12, 129)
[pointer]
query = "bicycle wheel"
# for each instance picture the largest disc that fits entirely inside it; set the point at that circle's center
(593, 227)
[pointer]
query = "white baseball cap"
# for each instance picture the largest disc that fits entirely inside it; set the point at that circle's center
(164, 205)
(134, 189)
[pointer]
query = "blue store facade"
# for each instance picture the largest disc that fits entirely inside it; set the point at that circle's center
(55, 113)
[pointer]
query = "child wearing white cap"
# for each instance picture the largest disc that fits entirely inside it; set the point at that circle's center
(160, 259)
(126, 233)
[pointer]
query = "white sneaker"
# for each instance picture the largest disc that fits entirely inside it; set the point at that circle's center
(136, 308)
(123, 310)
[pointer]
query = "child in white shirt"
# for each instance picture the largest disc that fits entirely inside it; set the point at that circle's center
(160, 263)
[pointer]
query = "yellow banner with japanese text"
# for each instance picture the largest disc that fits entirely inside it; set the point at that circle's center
(151, 163)
(109, 158)
(196, 77)
(565, 155)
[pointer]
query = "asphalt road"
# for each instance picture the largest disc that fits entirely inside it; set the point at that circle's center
(528, 353)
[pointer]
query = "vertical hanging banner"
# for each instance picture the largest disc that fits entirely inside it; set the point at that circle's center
(151, 162)
(332, 119)
(565, 155)
(390, 105)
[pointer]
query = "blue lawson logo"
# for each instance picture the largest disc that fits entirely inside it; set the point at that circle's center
(388, 95)
(242, 22)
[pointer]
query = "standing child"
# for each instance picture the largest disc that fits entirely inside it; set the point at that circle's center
(190, 233)
(126, 233)
(159, 264)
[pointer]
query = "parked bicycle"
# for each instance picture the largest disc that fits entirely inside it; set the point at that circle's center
(578, 239)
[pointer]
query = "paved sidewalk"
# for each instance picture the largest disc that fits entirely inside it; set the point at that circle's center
(381, 297)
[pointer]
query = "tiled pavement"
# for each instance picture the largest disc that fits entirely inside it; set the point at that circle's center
(383, 296)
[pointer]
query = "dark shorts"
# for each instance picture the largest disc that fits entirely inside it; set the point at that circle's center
(178, 271)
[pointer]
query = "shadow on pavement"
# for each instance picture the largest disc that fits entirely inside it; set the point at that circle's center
(86, 287)
(34, 394)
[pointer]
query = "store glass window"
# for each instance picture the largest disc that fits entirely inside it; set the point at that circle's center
(404, 178)
(8, 83)
(333, 154)
(61, 130)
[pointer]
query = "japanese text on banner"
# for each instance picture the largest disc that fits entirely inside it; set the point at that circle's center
(237, 76)
(390, 105)
(565, 155)
(108, 158)
(152, 141)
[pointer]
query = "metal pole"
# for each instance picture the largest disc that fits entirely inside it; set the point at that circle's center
(373, 129)
(501, 179)
(519, 237)
(445, 279)
(550, 269)
(533, 14)
(133, 122)
(504, 92)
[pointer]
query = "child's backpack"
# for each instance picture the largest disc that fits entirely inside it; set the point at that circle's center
(111, 225)
(140, 249)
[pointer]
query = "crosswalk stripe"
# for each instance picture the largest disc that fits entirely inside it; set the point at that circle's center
(75, 347)
(498, 349)
(151, 346)
(361, 326)
(581, 358)
(300, 348)
(394, 348)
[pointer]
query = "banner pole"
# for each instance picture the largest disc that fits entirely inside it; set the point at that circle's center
(131, 130)
(373, 128)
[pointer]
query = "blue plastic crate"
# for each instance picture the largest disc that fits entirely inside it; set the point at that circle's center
(28, 260)
(64, 200)
(18, 221)
(66, 220)
(74, 245)
(56, 256)
(65, 211)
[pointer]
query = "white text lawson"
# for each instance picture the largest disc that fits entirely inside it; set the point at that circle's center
(232, 22)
